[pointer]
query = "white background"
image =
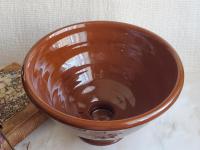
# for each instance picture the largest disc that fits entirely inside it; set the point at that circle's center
(23, 22)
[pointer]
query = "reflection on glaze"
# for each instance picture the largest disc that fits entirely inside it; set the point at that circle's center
(89, 89)
(76, 38)
(66, 29)
(102, 70)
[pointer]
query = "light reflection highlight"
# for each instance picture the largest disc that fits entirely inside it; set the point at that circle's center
(76, 38)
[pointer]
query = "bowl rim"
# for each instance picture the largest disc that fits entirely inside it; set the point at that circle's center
(113, 124)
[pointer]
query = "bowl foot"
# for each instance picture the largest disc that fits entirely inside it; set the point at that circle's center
(100, 142)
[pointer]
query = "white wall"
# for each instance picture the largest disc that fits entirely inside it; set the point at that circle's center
(23, 22)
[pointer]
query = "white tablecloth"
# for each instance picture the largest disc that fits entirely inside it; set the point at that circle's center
(23, 22)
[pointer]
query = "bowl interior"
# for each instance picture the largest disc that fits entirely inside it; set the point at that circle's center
(101, 71)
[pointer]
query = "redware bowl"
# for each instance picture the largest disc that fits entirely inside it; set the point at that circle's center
(102, 79)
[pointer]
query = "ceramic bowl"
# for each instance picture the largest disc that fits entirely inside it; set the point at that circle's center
(102, 79)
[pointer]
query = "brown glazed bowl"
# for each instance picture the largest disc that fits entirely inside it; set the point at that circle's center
(102, 79)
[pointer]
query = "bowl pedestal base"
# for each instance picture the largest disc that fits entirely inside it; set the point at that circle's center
(100, 142)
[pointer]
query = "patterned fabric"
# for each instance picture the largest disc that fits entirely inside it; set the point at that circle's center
(12, 95)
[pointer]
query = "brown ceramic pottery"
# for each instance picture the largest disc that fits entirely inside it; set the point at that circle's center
(103, 79)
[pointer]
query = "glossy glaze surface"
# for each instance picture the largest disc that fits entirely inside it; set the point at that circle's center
(117, 73)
